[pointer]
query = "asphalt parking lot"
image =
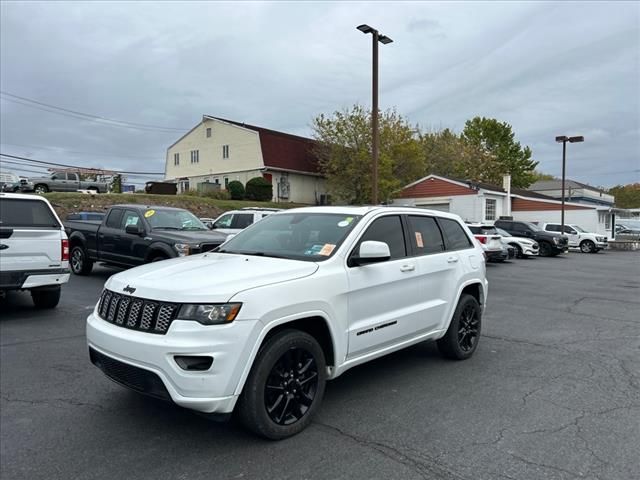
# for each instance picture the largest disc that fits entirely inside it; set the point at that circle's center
(551, 393)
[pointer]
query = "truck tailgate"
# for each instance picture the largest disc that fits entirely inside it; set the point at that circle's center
(30, 249)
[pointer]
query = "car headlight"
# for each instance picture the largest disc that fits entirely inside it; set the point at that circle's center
(183, 249)
(210, 314)
(556, 240)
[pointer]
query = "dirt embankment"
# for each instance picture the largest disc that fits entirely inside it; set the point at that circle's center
(66, 203)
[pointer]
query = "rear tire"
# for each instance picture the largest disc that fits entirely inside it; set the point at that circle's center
(46, 298)
(463, 334)
(79, 261)
(289, 370)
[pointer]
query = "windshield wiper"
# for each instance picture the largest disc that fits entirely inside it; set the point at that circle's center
(167, 228)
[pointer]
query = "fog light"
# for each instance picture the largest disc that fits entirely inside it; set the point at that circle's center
(193, 363)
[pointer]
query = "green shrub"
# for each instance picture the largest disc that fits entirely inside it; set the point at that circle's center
(193, 193)
(259, 189)
(217, 194)
(236, 190)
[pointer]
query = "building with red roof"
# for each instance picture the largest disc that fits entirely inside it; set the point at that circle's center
(219, 150)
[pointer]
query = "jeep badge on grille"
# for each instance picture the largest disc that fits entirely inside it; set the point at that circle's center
(129, 289)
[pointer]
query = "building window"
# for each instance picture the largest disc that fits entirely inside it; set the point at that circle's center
(225, 151)
(195, 156)
(490, 209)
(176, 159)
(208, 132)
(226, 183)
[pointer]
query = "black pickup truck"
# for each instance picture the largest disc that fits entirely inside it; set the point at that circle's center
(131, 235)
(551, 244)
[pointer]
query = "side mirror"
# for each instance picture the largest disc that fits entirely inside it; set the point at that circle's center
(371, 252)
(134, 229)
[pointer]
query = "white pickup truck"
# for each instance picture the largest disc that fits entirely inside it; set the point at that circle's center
(34, 249)
(587, 242)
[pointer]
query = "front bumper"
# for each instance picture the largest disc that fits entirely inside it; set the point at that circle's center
(530, 250)
(211, 391)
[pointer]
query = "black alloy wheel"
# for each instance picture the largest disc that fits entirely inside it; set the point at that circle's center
(80, 264)
(545, 249)
(468, 328)
(291, 386)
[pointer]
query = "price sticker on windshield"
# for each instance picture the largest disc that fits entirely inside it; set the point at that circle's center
(327, 249)
(149, 213)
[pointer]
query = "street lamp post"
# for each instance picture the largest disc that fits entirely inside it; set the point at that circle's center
(376, 37)
(564, 139)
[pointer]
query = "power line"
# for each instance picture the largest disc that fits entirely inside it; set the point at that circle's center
(74, 166)
(49, 147)
(55, 109)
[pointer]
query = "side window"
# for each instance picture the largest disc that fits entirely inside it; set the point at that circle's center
(72, 176)
(455, 235)
(130, 218)
(388, 230)
(425, 235)
(552, 228)
(224, 221)
(242, 220)
(521, 227)
(569, 230)
(114, 218)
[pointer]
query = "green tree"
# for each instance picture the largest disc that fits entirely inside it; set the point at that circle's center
(627, 196)
(501, 152)
(344, 153)
(537, 176)
(259, 189)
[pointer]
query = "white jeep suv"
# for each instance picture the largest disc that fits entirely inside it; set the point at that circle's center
(262, 323)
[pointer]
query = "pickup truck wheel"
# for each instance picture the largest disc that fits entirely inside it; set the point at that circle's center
(80, 263)
(462, 336)
(158, 258)
(587, 246)
(545, 249)
(93, 190)
(285, 387)
(46, 298)
(40, 189)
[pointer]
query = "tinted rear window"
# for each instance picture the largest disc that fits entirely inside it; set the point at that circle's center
(16, 212)
(425, 235)
(455, 235)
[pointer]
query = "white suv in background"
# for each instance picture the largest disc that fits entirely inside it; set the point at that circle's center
(237, 220)
(34, 250)
(305, 295)
(587, 242)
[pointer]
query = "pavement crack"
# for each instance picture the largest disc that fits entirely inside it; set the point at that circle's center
(426, 470)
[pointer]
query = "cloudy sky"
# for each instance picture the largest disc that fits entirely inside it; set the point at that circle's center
(547, 68)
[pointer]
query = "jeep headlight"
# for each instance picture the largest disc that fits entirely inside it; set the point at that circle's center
(211, 313)
(556, 240)
(183, 249)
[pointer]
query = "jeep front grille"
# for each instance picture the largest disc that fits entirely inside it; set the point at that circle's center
(136, 313)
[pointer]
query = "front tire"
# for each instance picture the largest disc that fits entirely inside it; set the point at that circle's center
(285, 387)
(46, 298)
(545, 249)
(40, 189)
(463, 334)
(587, 246)
(518, 248)
(79, 261)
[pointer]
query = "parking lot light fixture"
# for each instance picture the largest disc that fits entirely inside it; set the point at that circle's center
(376, 37)
(564, 139)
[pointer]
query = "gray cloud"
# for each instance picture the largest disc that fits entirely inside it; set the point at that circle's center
(546, 68)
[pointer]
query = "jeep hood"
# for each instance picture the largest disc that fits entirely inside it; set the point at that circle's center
(207, 278)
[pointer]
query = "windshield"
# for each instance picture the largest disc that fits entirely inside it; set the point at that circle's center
(533, 226)
(297, 236)
(173, 220)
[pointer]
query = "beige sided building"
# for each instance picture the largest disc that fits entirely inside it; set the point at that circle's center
(220, 151)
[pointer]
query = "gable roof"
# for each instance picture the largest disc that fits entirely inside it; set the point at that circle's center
(542, 185)
(281, 150)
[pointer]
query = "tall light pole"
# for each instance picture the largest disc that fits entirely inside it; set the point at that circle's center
(564, 139)
(374, 107)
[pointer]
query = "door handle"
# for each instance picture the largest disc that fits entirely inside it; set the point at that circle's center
(452, 259)
(407, 268)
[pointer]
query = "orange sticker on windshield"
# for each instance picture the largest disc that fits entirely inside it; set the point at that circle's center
(419, 241)
(327, 249)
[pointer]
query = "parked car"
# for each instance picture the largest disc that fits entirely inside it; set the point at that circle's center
(550, 243)
(237, 220)
(261, 324)
(587, 242)
(19, 185)
(524, 247)
(490, 241)
(66, 182)
(90, 216)
(131, 235)
(34, 250)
